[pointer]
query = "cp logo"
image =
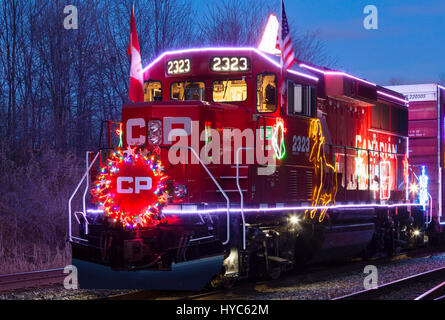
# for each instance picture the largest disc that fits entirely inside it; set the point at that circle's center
(125, 184)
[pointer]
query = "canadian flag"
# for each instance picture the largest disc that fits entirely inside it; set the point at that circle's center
(136, 91)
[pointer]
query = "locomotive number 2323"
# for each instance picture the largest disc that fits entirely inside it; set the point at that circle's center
(300, 144)
(229, 64)
(179, 66)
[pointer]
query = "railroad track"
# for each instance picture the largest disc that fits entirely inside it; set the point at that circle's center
(17, 281)
(436, 293)
(394, 288)
(319, 271)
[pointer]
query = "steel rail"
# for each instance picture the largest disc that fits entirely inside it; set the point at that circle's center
(371, 294)
(436, 293)
(17, 281)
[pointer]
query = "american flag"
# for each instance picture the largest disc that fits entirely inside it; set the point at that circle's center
(287, 52)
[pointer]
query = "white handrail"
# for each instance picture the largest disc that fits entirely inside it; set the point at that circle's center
(217, 184)
(84, 215)
(241, 194)
(430, 218)
(87, 185)
(75, 192)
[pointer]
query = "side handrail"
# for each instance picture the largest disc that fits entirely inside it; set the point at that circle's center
(241, 194)
(87, 185)
(218, 186)
(430, 218)
(84, 215)
(74, 194)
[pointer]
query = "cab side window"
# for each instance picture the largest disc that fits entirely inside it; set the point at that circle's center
(266, 92)
(152, 91)
(301, 100)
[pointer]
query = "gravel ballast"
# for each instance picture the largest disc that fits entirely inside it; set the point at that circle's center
(325, 284)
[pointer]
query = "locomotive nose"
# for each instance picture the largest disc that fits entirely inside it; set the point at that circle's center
(158, 258)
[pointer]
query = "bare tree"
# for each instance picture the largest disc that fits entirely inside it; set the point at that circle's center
(11, 16)
(310, 48)
(242, 22)
(169, 26)
(233, 22)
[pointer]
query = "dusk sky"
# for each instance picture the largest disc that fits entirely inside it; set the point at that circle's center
(409, 43)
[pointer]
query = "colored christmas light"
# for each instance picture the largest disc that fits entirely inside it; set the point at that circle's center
(324, 192)
(361, 168)
(278, 143)
(423, 188)
(385, 183)
(406, 170)
(120, 132)
(132, 188)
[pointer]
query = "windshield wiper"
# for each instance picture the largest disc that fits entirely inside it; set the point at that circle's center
(185, 91)
(225, 88)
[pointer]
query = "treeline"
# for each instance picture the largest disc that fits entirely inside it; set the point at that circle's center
(57, 85)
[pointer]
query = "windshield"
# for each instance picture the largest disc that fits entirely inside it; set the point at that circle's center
(187, 91)
(230, 91)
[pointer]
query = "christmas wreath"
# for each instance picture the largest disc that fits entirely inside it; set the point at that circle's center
(132, 187)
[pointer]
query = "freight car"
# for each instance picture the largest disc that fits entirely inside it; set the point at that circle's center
(216, 180)
(426, 149)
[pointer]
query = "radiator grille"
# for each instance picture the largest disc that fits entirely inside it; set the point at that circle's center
(300, 185)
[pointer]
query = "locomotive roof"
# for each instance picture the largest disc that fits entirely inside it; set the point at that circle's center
(306, 70)
(274, 60)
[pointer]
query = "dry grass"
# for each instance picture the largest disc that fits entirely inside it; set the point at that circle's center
(33, 210)
(37, 257)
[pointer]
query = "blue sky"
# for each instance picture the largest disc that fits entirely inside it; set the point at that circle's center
(409, 43)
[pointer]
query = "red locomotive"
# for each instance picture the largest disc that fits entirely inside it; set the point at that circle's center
(215, 181)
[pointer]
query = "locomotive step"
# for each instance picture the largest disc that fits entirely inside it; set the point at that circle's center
(279, 260)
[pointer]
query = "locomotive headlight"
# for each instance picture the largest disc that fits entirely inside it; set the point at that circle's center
(180, 191)
(414, 188)
(154, 132)
(294, 220)
(416, 233)
(154, 140)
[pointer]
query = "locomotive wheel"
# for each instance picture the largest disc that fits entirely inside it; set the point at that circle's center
(221, 281)
(217, 282)
(228, 283)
